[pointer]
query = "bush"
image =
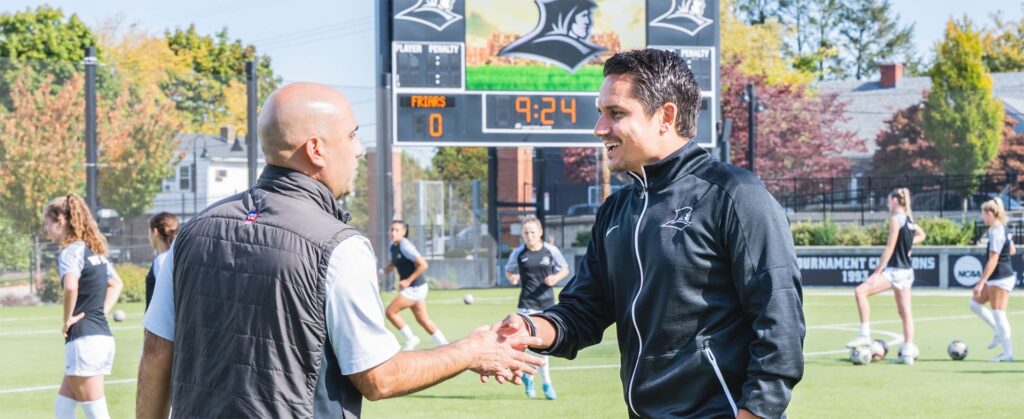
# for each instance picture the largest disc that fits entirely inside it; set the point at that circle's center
(943, 232)
(134, 277)
(134, 291)
(879, 234)
(50, 289)
(582, 239)
(815, 234)
(456, 253)
(802, 233)
(852, 235)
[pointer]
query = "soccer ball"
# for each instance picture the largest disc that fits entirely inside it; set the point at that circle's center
(957, 350)
(119, 315)
(879, 349)
(860, 355)
(468, 299)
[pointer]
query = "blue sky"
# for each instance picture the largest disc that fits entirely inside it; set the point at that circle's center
(333, 42)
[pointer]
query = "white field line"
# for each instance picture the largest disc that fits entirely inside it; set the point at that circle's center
(55, 332)
(853, 327)
(898, 321)
(55, 387)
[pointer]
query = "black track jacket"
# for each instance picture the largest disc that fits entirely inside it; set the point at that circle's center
(695, 264)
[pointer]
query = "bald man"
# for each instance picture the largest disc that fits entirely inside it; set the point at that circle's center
(268, 305)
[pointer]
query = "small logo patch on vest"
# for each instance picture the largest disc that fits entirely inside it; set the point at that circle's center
(251, 216)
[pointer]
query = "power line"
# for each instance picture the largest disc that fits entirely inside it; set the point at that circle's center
(313, 40)
(299, 40)
(312, 31)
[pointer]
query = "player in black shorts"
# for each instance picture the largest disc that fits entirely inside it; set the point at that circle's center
(91, 287)
(538, 266)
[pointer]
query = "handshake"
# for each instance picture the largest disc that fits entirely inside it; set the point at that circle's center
(499, 351)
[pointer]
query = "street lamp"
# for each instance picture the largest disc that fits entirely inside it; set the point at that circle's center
(195, 174)
(749, 96)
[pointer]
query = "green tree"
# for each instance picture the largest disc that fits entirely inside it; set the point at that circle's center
(961, 117)
(40, 42)
(15, 247)
(1004, 45)
(460, 166)
(870, 35)
(212, 93)
(138, 136)
(34, 172)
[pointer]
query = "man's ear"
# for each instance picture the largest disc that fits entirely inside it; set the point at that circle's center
(668, 112)
(315, 152)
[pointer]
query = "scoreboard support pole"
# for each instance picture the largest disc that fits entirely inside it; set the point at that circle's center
(385, 194)
(492, 194)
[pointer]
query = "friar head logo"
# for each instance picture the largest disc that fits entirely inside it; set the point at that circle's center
(686, 16)
(680, 220)
(561, 36)
(437, 14)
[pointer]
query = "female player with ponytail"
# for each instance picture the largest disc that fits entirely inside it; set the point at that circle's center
(91, 287)
(997, 279)
(894, 271)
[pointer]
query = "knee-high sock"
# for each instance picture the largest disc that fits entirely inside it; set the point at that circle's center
(985, 314)
(96, 409)
(1004, 330)
(439, 338)
(545, 371)
(407, 332)
(64, 407)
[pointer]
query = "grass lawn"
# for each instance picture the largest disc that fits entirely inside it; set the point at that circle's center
(32, 359)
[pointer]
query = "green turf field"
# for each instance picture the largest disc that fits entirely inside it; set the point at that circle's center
(588, 78)
(32, 363)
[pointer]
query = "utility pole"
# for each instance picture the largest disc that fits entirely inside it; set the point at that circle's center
(251, 141)
(753, 107)
(91, 191)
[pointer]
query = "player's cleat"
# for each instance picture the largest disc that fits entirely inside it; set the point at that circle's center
(549, 392)
(996, 340)
(908, 354)
(859, 341)
(1002, 358)
(528, 383)
(410, 344)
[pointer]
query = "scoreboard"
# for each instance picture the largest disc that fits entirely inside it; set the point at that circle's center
(526, 72)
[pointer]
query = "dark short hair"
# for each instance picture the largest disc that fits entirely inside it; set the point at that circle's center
(660, 77)
(404, 225)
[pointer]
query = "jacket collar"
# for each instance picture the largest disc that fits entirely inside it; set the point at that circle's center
(294, 184)
(660, 174)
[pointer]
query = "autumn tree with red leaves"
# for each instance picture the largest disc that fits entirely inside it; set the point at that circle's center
(902, 148)
(799, 132)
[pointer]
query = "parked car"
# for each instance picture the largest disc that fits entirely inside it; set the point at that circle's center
(929, 201)
(581, 209)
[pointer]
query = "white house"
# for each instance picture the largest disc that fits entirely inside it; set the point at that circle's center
(212, 167)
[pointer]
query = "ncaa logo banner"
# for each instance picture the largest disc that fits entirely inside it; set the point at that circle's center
(965, 270)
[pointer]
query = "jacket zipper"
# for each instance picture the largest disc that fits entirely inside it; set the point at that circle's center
(721, 379)
(636, 250)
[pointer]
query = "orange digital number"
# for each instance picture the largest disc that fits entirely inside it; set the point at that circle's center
(436, 125)
(548, 110)
(523, 107)
(571, 109)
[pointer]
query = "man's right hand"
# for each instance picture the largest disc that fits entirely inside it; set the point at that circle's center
(500, 355)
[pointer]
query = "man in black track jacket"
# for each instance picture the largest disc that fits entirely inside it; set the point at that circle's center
(694, 263)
